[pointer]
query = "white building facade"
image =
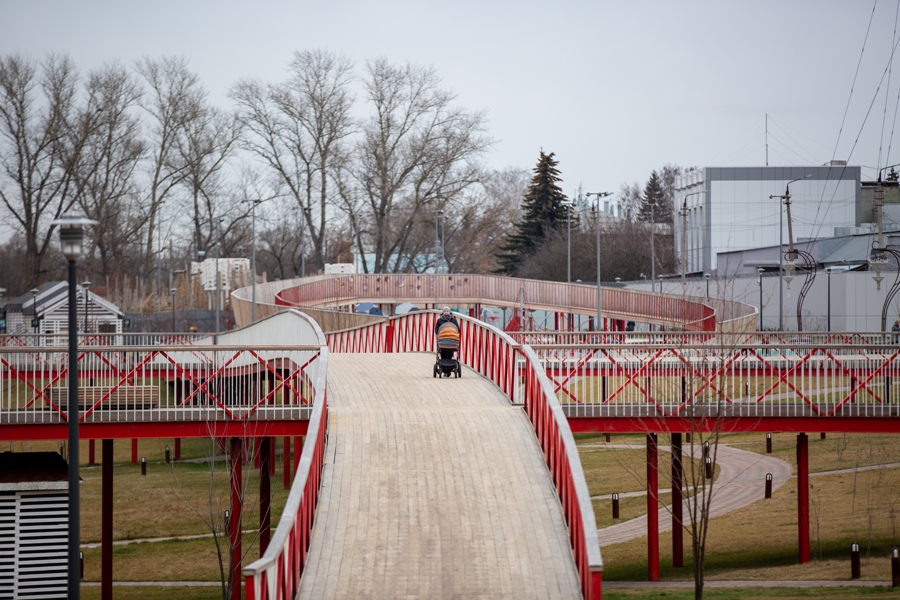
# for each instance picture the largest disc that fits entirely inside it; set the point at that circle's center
(729, 208)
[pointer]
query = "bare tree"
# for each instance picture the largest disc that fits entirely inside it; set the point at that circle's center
(631, 198)
(478, 227)
(298, 129)
(174, 99)
(207, 142)
(418, 155)
(106, 171)
(38, 146)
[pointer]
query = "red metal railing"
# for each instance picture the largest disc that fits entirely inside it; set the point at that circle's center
(276, 575)
(635, 380)
(518, 373)
(686, 313)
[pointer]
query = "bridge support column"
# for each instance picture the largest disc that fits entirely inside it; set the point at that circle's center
(652, 508)
(177, 448)
(803, 495)
(677, 499)
(91, 460)
(265, 493)
(106, 520)
(286, 461)
(298, 450)
(234, 519)
(134, 451)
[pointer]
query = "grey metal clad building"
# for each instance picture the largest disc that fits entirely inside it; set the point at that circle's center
(729, 209)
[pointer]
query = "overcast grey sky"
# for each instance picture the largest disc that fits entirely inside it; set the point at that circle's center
(615, 89)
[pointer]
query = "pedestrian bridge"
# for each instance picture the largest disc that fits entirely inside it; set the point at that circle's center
(448, 487)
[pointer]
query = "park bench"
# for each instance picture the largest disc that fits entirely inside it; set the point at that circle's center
(126, 397)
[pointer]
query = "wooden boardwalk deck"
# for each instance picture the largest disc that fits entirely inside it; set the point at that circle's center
(433, 488)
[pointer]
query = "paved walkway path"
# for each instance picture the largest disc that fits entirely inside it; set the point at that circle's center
(741, 481)
(432, 488)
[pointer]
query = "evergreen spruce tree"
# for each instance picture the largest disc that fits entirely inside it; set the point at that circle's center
(654, 195)
(542, 211)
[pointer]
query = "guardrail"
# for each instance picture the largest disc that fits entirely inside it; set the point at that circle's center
(742, 380)
(159, 383)
(518, 373)
(687, 313)
(276, 575)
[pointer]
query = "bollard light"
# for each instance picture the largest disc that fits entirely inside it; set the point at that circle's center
(168, 456)
(709, 468)
(895, 567)
(768, 443)
(768, 486)
(143, 466)
(81, 560)
(854, 561)
(615, 506)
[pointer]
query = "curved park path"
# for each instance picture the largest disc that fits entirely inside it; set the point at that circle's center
(741, 481)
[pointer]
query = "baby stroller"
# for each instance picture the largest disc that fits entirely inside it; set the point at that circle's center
(446, 362)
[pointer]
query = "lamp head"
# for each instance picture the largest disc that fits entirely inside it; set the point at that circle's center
(71, 234)
(86, 285)
(707, 276)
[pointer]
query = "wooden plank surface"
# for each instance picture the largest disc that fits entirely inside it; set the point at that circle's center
(433, 488)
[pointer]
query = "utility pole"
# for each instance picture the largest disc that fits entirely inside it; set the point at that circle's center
(786, 198)
(683, 212)
(598, 195)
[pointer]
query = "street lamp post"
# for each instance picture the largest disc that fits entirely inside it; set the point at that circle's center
(707, 276)
(86, 285)
(218, 227)
(828, 272)
(172, 293)
(652, 247)
(253, 204)
(759, 272)
(598, 195)
(568, 206)
(34, 315)
(71, 237)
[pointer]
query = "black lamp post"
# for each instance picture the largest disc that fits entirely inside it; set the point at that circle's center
(86, 285)
(34, 315)
(71, 237)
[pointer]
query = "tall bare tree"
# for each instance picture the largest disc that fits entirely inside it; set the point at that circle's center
(39, 144)
(106, 171)
(174, 99)
(299, 130)
(418, 154)
(207, 143)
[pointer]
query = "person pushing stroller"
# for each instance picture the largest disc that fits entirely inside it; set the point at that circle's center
(447, 331)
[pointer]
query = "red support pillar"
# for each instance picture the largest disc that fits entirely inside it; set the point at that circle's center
(677, 477)
(91, 458)
(134, 451)
(234, 520)
(298, 450)
(652, 509)
(803, 495)
(286, 456)
(177, 448)
(265, 493)
(256, 445)
(106, 521)
(272, 451)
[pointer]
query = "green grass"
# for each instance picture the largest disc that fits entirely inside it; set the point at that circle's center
(840, 593)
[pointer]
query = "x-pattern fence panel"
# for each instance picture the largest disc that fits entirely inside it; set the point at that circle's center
(159, 383)
(745, 380)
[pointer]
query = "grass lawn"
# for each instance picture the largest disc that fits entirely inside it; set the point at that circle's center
(759, 542)
(166, 503)
(154, 593)
(742, 593)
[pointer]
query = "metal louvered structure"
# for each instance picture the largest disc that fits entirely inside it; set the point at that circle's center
(33, 527)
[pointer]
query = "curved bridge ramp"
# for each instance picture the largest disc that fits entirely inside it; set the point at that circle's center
(432, 488)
